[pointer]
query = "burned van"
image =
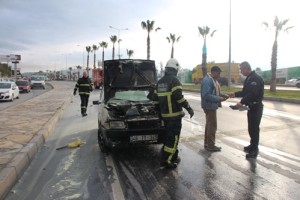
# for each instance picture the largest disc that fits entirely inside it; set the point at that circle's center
(126, 114)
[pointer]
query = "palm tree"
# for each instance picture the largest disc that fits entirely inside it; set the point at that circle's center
(148, 26)
(88, 50)
(278, 27)
(129, 53)
(95, 48)
(103, 45)
(70, 73)
(78, 70)
(172, 39)
(113, 39)
(204, 32)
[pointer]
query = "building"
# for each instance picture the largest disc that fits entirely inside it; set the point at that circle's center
(282, 75)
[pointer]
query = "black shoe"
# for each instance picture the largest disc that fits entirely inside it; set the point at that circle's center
(213, 148)
(176, 160)
(84, 114)
(252, 154)
(247, 148)
(168, 165)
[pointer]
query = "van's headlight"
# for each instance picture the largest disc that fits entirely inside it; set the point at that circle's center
(117, 124)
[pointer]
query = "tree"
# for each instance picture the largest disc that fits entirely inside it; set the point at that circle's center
(5, 70)
(70, 73)
(78, 70)
(204, 32)
(103, 45)
(88, 50)
(113, 39)
(279, 26)
(172, 39)
(129, 53)
(148, 26)
(95, 48)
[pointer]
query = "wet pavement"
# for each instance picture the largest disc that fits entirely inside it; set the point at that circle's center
(24, 129)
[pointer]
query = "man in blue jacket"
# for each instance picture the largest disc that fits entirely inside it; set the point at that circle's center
(211, 99)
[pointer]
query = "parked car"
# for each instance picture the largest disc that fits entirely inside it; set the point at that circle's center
(9, 91)
(293, 82)
(7, 80)
(126, 116)
(24, 85)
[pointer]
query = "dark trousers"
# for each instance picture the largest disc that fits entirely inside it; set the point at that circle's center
(84, 102)
(254, 117)
(169, 151)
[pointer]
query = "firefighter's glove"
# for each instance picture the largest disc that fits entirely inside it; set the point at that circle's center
(191, 112)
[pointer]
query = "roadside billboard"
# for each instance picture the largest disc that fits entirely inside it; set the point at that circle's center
(10, 58)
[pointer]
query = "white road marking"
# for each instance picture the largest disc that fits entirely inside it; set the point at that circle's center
(117, 191)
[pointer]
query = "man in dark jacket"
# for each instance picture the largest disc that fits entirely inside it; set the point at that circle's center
(168, 95)
(85, 86)
(252, 95)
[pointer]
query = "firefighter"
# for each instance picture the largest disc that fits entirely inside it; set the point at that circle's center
(168, 95)
(85, 86)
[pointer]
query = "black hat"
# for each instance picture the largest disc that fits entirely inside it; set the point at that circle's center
(215, 69)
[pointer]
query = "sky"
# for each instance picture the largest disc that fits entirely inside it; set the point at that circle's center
(52, 34)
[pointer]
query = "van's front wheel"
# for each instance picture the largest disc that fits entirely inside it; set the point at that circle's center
(101, 142)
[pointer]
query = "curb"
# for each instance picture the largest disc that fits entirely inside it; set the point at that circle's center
(16, 167)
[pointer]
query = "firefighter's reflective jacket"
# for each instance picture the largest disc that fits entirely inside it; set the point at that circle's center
(168, 94)
(84, 85)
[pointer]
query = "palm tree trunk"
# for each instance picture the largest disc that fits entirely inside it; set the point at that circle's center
(204, 64)
(94, 59)
(113, 53)
(148, 47)
(204, 58)
(103, 58)
(87, 63)
(273, 67)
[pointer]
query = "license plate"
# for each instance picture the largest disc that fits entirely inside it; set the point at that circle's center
(137, 138)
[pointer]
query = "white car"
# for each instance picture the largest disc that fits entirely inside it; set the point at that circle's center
(293, 82)
(9, 91)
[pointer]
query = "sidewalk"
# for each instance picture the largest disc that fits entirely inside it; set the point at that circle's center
(24, 129)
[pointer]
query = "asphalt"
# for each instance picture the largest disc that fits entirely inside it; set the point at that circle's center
(25, 128)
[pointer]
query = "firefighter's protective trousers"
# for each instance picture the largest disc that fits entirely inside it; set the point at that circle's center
(169, 149)
(84, 102)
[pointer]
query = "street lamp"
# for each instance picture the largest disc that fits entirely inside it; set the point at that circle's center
(118, 29)
(82, 55)
(66, 56)
(229, 59)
